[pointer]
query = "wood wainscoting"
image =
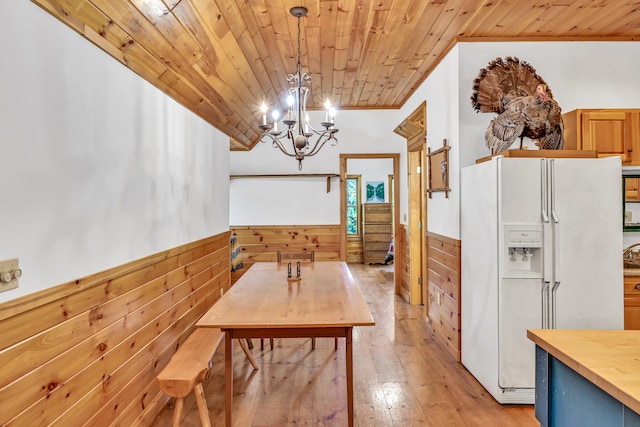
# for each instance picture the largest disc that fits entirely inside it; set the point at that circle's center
(87, 352)
(443, 299)
(260, 243)
(355, 252)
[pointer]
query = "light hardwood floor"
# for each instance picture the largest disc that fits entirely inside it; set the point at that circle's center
(402, 377)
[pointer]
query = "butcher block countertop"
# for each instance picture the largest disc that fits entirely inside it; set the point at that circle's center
(610, 359)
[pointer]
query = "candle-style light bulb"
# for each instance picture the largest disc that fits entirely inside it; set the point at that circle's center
(306, 123)
(332, 114)
(263, 109)
(327, 106)
(290, 102)
(276, 116)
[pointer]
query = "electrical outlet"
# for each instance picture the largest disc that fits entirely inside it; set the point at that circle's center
(9, 274)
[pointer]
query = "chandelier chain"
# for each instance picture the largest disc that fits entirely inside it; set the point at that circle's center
(299, 49)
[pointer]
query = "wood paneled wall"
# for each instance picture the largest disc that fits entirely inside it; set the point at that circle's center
(261, 242)
(88, 352)
(443, 299)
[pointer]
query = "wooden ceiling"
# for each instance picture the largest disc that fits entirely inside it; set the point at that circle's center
(222, 58)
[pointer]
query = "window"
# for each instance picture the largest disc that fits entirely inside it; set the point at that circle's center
(353, 205)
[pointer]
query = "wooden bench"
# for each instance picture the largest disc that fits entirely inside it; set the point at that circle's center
(189, 367)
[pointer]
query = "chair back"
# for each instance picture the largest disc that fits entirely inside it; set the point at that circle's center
(301, 255)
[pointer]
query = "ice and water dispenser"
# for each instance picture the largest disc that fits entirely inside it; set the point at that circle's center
(523, 257)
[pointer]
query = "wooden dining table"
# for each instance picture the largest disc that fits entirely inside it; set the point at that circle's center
(325, 302)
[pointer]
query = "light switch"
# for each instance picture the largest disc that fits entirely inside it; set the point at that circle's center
(9, 274)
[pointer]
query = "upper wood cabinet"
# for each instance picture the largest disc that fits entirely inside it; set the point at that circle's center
(611, 132)
(631, 189)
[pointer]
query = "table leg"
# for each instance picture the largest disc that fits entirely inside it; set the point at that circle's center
(349, 360)
(228, 376)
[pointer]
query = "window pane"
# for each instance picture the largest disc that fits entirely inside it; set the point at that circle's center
(352, 192)
(352, 220)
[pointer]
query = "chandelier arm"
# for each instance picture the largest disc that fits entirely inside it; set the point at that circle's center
(323, 139)
(319, 131)
(276, 143)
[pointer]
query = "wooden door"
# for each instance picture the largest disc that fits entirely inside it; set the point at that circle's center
(607, 132)
(416, 200)
(414, 129)
(632, 302)
(631, 189)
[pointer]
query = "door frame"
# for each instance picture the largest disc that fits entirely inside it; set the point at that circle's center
(396, 204)
(416, 229)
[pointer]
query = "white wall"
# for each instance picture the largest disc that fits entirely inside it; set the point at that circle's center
(294, 201)
(98, 167)
(440, 91)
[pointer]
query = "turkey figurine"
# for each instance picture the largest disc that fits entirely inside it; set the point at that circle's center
(524, 104)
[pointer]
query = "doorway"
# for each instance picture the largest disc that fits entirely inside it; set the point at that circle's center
(414, 129)
(393, 195)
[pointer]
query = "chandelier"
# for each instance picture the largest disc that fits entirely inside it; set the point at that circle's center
(297, 131)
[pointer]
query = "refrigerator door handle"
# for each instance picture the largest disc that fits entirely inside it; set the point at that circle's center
(543, 192)
(545, 304)
(556, 285)
(552, 187)
(556, 254)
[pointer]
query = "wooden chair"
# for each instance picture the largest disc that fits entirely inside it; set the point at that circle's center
(300, 256)
(295, 256)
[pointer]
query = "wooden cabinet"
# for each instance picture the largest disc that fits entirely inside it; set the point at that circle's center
(632, 302)
(377, 233)
(631, 189)
(611, 132)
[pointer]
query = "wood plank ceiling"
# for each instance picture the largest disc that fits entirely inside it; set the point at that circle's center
(222, 58)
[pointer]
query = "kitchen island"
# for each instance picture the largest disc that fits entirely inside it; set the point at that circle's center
(587, 377)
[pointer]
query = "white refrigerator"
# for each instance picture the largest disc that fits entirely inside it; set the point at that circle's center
(541, 248)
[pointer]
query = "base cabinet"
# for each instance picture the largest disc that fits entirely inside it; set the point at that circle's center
(566, 398)
(632, 302)
(377, 232)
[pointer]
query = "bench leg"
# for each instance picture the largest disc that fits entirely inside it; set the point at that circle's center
(177, 411)
(243, 346)
(203, 411)
(313, 343)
